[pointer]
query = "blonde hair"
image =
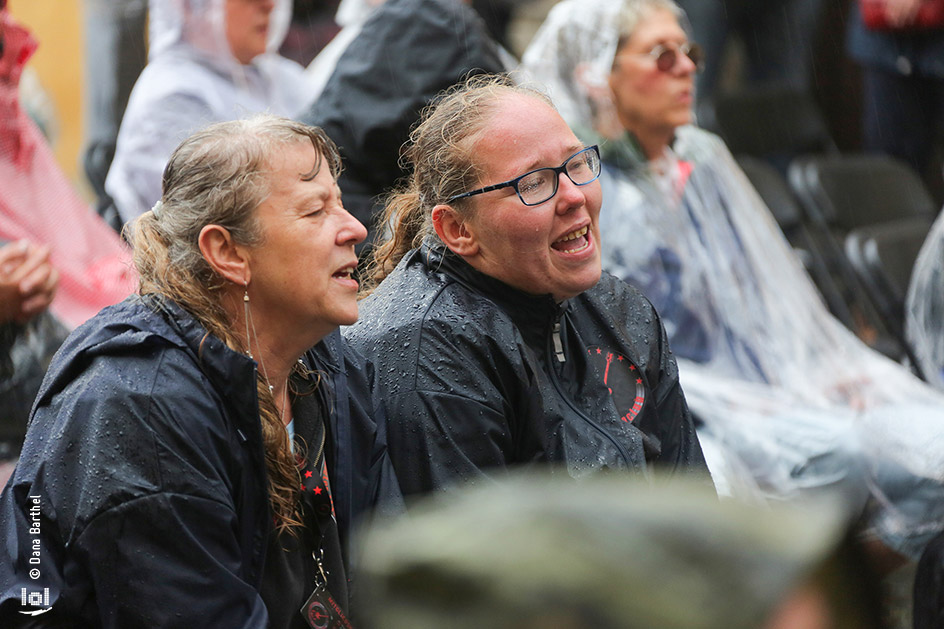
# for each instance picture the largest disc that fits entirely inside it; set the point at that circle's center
(441, 161)
(219, 176)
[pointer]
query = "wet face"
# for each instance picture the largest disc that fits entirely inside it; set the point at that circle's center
(553, 247)
(650, 102)
(247, 27)
(301, 272)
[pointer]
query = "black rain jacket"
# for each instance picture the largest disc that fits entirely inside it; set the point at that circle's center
(140, 496)
(479, 375)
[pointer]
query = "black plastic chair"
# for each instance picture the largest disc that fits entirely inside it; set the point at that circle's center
(848, 191)
(842, 193)
(884, 255)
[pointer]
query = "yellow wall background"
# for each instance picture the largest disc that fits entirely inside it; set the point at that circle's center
(57, 25)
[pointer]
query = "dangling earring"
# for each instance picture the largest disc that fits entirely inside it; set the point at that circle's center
(246, 316)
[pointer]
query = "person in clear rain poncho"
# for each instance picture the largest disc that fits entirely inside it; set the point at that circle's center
(209, 61)
(924, 307)
(790, 401)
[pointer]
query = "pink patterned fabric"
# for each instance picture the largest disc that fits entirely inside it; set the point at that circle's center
(38, 203)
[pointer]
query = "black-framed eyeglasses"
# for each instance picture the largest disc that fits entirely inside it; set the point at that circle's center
(666, 57)
(539, 185)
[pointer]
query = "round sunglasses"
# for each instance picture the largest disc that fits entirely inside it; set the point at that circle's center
(667, 56)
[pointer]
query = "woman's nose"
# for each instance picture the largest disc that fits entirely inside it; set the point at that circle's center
(569, 194)
(352, 230)
(684, 64)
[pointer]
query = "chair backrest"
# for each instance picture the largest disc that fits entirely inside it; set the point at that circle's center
(840, 193)
(770, 121)
(853, 190)
(883, 256)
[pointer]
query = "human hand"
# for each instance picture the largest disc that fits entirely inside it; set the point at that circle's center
(27, 281)
(902, 12)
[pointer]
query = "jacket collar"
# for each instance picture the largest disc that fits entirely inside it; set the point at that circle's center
(231, 373)
(528, 311)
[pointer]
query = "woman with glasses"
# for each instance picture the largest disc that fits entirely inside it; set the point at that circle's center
(498, 341)
(790, 401)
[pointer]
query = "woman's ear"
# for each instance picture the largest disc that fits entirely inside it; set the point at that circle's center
(224, 255)
(454, 231)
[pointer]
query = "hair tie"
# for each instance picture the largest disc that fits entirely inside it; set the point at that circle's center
(156, 210)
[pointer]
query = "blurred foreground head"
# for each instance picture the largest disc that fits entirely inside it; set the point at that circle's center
(537, 552)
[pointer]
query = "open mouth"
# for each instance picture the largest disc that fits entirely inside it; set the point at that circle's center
(344, 274)
(573, 242)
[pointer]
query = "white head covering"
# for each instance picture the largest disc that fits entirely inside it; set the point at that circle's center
(571, 56)
(202, 25)
(192, 79)
(786, 392)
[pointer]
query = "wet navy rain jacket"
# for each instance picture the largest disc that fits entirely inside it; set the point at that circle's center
(145, 455)
(480, 375)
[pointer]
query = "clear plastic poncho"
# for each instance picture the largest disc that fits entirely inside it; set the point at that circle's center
(924, 308)
(191, 80)
(790, 399)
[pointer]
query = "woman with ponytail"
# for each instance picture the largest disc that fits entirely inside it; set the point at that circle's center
(498, 342)
(197, 454)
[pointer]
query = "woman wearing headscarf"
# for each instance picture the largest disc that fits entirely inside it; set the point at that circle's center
(208, 61)
(192, 460)
(498, 341)
(790, 400)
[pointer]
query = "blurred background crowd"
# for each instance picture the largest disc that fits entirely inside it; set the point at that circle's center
(814, 39)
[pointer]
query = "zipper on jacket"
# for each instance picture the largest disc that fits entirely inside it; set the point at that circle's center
(559, 352)
(558, 345)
